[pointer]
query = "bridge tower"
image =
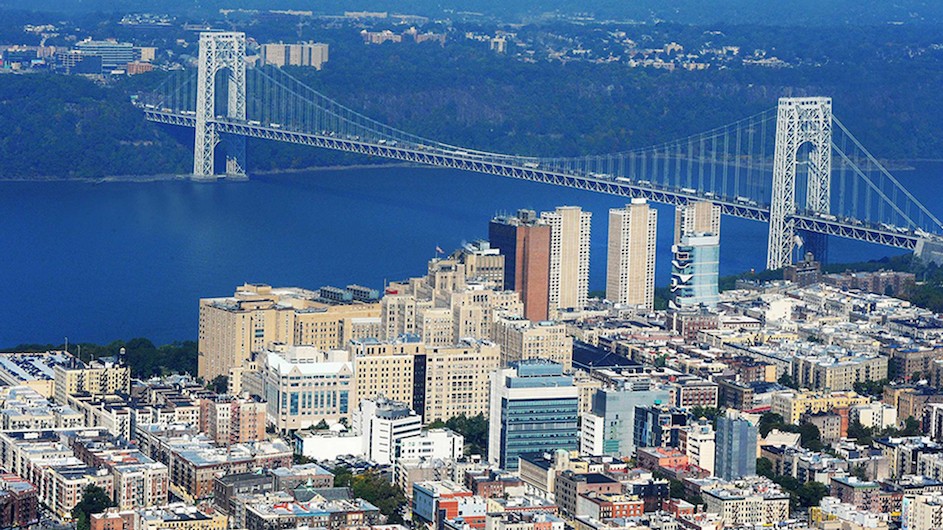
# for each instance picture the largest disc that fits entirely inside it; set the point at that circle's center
(800, 122)
(220, 51)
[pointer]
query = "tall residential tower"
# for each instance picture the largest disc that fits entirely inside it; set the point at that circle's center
(569, 258)
(630, 270)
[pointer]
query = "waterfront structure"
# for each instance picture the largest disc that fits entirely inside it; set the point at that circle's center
(524, 240)
(698, 217)
(630, 269)
(569, 259)
(694, 271)
(313, 54)
(258, 315)
(736, 446)
(534, 408)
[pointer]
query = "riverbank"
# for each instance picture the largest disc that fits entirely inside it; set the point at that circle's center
(163, 177)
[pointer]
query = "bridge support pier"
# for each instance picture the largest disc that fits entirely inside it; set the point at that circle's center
(799, 122)
(223, 51)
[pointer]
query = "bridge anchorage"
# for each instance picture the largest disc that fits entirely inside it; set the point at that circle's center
(796, 166)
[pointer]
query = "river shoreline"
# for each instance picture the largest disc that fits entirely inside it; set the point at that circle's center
(163, 177)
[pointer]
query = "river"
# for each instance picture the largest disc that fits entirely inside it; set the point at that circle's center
(99, 262)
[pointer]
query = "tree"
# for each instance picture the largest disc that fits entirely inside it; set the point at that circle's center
(710, 413)
(810, 437)
(94, 500)
(911, 427)
(787, 380)
(378, 491)
(811, 494)
(219, 384)
(322, 425)
(764, 467)
(859, 432)
(768, 422)
(475, 431)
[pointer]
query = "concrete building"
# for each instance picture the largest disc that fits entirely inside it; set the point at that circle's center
(748, 502)
(700, 217)
(694, 271)
(609, 428)
(303, 386)
(457, 379)
(383, 424)
(630, 268)
(386, 368)
(569, 259)
(113, 54)
(524, 240)
(838, 371)
(923, 512)
(697, 441)
(258, 316)
(534, 408)
(736, 446)
(33, 370)
(432, 444)
(521, 339)
(793, 404)
(483, 263)
(99, 377)
(570, 486)
(229, 419)
(313, 54)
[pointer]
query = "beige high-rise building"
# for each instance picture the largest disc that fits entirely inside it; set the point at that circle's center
(630, 269)
(257, 316)
(97, 378)
(434, 326)
(458, 379)
(312, 54)
(701, 217)
(569, 258)
(521, 339)
(474, 311)
(384, 368)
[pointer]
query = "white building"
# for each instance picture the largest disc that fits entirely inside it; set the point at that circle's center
(383, 424)
(433, 443)
(876, 415)
(328, 444)
(592, 434)
(697, 441)
(303, 386)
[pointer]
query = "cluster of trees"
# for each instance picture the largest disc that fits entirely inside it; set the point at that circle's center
(144, 358)
(474, 429)
(801, 495)
(375, 489)
(809, 435)
(864, 435)
(94, 500)
(58, 126)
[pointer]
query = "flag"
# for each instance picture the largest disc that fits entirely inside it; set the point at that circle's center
(438, 250)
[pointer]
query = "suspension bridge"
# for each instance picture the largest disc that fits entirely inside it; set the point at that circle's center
(795, 166)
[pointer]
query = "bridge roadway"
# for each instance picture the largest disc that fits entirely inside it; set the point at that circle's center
(517, 167)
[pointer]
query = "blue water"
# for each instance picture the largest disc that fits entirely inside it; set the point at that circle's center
(99, 262)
